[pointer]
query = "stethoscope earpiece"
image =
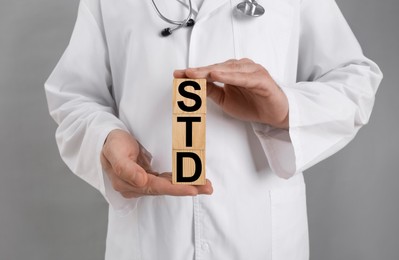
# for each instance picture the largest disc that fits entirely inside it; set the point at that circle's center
(190, 22)
(251, 8)
(168, 31)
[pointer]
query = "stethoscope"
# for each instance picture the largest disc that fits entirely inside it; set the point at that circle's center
(248, 7)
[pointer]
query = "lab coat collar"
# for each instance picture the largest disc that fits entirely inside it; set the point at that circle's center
(208, 7)
(193, 5)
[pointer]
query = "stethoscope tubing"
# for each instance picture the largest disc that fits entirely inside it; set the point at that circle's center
(178, 23)
(247, 7)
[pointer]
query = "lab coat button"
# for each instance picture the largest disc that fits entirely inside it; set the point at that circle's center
(205, 247)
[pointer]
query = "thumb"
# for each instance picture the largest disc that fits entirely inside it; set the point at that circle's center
(120, 150)
(128, 170)
(135, 174)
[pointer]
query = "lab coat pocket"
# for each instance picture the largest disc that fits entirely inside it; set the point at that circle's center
(289, 224)
(265, 39)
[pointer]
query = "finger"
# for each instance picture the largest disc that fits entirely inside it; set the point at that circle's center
(241, 61)
(123, 166)
(105, 164)
(229, 66)
(117, 183)
(205, 189)
(120, 144)
(240, 79)
(162, 185)
(120, 185)
(215, 93)
(232, 64)
(144, 161)
(201, 189)
(183, 74)
(201, 72)
(179, 74)
(130, 172)
(192, 73)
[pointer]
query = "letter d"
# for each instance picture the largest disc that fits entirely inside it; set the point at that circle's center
(179, 167)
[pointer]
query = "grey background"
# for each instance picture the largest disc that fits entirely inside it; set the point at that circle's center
(48, 213)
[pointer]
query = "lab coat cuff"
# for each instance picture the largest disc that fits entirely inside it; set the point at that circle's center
(119, 204)
(282, 147)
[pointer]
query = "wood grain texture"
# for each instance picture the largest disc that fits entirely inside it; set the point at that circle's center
(189, 167)
(189, 102)
(189, 131)
(181, 134)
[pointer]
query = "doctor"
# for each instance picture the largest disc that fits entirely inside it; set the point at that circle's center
(289, 88)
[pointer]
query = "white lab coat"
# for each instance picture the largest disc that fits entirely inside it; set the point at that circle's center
(117, 73)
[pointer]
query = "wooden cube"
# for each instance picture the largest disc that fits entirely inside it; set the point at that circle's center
(191, 93)
(188, 167)
(189, 131)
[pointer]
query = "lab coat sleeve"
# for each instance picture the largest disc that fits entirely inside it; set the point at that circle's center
(79, 95)
(333, 96)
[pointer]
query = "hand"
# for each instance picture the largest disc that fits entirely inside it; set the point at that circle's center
(129, 170)
(249, 92)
